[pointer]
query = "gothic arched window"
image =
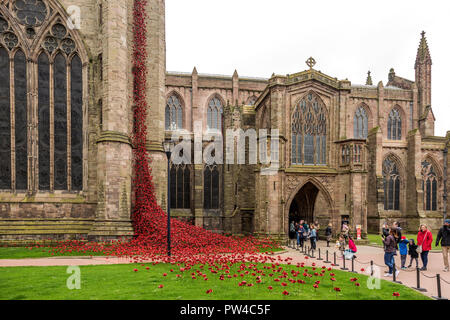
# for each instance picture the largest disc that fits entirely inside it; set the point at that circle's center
(174, 113)
(394, 125)
(360, 124)
(214, 114)
(429, 186)
(211, 190)
(309, 132)
(42, 58)
(180, 186)
(391, 183)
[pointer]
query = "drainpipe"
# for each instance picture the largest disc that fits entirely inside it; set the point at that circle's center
(444, 196)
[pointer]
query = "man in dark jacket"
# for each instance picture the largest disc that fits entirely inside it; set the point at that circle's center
(444, 238)
(398, 236)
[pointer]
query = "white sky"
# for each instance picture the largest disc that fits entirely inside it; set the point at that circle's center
(347, 38)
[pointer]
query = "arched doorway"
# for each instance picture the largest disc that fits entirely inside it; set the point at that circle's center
(302, 206)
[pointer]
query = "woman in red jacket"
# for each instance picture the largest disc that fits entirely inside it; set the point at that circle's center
(424, 239)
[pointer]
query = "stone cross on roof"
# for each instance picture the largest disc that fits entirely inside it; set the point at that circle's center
(310, 62)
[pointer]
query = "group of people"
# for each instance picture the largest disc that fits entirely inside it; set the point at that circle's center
(394, 241)
(345, 239)
(303, 231)
(392, 238)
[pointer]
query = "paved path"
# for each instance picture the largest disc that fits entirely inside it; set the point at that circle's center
(367, 253)
(364, 255)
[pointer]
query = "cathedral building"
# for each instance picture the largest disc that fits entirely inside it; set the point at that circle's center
(361, 154)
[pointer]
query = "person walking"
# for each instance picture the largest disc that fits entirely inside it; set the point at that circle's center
(403, 245)
(317, 227)
(384, 231)
(390, 248)
(329, 234)
(424, 241)
(305, 226)
(398, 232)
(444, 238)
(345, 230)
(412, 251)
(300, 236)
(313, 237)
(291, 230)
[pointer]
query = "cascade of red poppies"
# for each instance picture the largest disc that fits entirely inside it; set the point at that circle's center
(149, 220)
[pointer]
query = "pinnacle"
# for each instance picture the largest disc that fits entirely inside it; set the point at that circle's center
(423, 52)
(369, 79)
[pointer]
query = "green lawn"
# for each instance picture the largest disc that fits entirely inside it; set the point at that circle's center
(25, 252)
(114, 282)
(376, 239)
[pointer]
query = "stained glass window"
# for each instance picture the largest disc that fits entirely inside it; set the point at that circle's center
(76, 117)
(174, 113)
(65, 72)
(5, 121)
(44, 121)
(60, 116)
(214, 114)
(391, 182)
(308, 132)
(429, 186)
(394, 125)
(21, 120)
(360, 124)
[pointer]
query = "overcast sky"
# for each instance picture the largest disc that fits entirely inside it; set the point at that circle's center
(347, 38)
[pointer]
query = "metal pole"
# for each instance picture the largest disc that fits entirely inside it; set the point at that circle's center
(319, 258)
(439, 297)
(371, 268)
(353, 265)
(336, 264)
(327, 261)
(395, 273)
(418, 288)
(343, 261)
(168, 203)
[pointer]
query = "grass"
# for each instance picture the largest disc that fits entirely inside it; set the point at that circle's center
(25, 252)
(121, 282)
(376, 239)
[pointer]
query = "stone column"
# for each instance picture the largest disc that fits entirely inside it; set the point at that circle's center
(114, 165)
(375, 192)
(414, 192)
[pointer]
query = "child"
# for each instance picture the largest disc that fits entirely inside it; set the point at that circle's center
(340, 244)
(413, 253)
(350, 252)
(403, 246)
